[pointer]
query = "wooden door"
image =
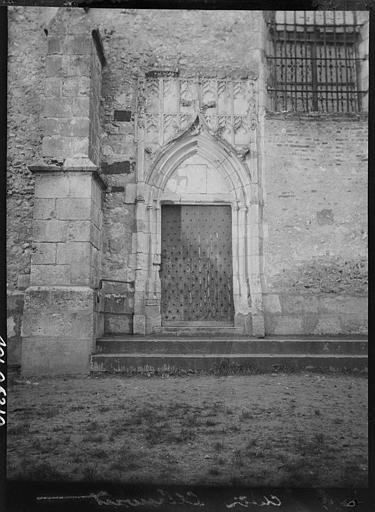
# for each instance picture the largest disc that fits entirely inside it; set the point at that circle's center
(196, 264)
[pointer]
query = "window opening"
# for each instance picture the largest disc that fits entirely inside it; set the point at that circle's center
(314, 65)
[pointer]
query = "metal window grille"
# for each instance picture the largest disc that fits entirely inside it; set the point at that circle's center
(314, 66)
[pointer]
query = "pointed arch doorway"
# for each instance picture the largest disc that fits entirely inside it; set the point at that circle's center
(203, 260)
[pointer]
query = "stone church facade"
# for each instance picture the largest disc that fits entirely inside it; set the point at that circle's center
(163, 173)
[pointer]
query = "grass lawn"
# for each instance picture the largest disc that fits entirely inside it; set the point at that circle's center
(298, 430)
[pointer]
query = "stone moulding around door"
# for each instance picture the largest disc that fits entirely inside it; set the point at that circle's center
(199, 145)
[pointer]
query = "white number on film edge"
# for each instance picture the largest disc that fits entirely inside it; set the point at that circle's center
(2, 379)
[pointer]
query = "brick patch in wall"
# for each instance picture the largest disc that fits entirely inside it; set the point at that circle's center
(125, 167)
(122, 115)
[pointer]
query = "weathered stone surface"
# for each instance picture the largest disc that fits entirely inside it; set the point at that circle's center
(44, 208)
(292, 304)
(82, 274)
(78, 231)
(77, 44)
(328, 324)
(49, 230)
(139, 324)
(56, 146)
(54, 66)
(19, 238)
(54, 45)
(344, 304)
(58, 311)
(271, 303)
(329, 275)
(44, 253)
(77, 65)
(72, 127)
(244, 324)
(80, 185)
(51, 185)
(53, 86)
(325, 217)
(73, 252)
(309, 323)
(282, 324)
(117, 324)
(354, 324)
(130, 193)
(49, 274)
(23, 281)
(95, 236)
(73, 208)
(78, 146)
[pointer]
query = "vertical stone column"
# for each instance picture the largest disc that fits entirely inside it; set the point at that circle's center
(152, 300)
(141, 270)
(140, 241)
(242, 318)
(60, 313)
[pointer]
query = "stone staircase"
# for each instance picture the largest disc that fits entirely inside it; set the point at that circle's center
(176, 351)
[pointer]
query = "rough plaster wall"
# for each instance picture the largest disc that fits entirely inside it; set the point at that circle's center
(27, 47)
(315, 233)
(195, 41)
(26, 56)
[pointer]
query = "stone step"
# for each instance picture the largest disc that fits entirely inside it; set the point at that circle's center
(226, 345)
(202, 331)
(227, 363)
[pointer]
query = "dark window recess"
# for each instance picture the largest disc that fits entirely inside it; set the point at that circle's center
(125, 167)
(314, 62)
(123, 115)
(117, 189)
(157, 73)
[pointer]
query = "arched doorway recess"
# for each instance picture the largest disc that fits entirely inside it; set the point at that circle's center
(198, 169)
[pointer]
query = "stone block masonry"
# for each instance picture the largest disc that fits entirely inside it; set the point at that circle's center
(66, 229)
(71, 113)
(58, 323)
(315, 241)
(65, 270)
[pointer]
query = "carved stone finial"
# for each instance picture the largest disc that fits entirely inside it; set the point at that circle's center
(243, 152)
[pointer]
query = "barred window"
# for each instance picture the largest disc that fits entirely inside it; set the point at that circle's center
(314, 62)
